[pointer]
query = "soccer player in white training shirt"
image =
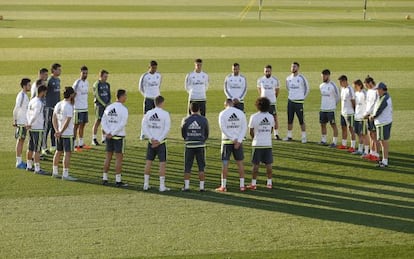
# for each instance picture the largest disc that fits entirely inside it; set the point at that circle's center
(372, 97)
(149, 86)
(81, 87)
(156, 124)
(20, 120)
(268, 86)
(382, 117)
(35, 125)
(261, 125)
(235, 87)
(347, 113)
(298, 89)
(233, 127)
(329, 100)
(360, 126)
(114, 121)
(196, 84)
(43, 74)
(63, 124)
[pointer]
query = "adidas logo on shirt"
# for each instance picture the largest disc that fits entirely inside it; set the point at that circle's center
(154, 117)
(194, 126)
(112, 112)
(265, 121)
(233, 117)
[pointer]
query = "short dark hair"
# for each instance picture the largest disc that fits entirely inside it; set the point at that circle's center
(236, 65)
(153, 63)
(68, 91)
(43, 70)
(24, 81)
(369, 79)
(103, 71)
(326, 72)
(359, 83)
(195, 107)
(268, 66)
(198, 60)
(42, 88)
(262, 104)
(296, 63)
(343, 78)
(120, 93)
(229, 102)
(158, 100)
(40, 82)
(55, 66)
(83, 68)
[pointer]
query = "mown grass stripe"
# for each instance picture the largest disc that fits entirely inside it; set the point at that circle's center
(267, 41)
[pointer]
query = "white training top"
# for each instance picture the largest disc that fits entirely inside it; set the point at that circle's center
(150, 84)
(347, 95)
(235, 87)
(386, 115)
(262, 123)
(20, 108)
(233, 124)
(35, 116)
(297, 86)
(329, 96)
(114, 119)
(81, 98)
(196, 85)
(64, 111)
(268, 87)
(156, 124)
(372, 97)
(360, 104)
(33, 90)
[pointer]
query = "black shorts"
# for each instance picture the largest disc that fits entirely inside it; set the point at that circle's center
(21, 132)
(384, 132)
(371, 126)
(160, 151)
(35, 142)
(202, 105)
(81, 117)
(360, 127)
(64, 144)
(263, 155)
(115, 144)
(347, 121)
(190, 154)
(273, 110)
(148, 104)
(295, 108)
(325, 117)
(228, 149)
(99, 111)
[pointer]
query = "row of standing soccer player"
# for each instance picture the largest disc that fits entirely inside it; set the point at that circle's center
(197, 84)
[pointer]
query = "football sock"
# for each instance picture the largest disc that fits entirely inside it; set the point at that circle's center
(118, 178)
(18, 160)
(241, 182)
(289, 134)
(223, 182)
(276, 132)
(162, 181)
(201, 185)
(344, 142)
(366, 149)
(361, 148)
(385, 161)
(65, 172)
(186, 184)
(55, 169)
(29, 164)
(353, 143)
(80, 141)
(269, 181)
(105, 176)
(323, 138)
(303, 134)
(37, 167)
(334, 140)
(146, 179)
(253, 181)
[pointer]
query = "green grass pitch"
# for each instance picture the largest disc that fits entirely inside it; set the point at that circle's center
(324, 204)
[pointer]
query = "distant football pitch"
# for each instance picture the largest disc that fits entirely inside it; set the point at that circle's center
(324, 203)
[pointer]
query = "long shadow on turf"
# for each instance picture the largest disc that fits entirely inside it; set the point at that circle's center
(309, 192)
